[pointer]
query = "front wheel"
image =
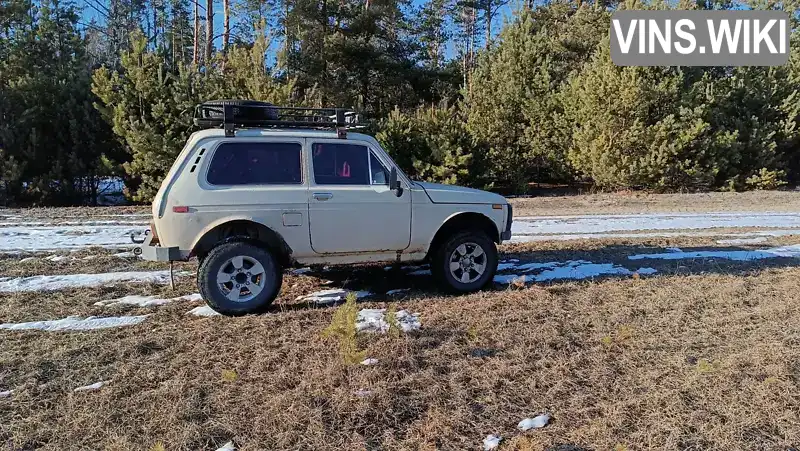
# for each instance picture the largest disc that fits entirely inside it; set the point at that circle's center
(238, 278)
(466, 262)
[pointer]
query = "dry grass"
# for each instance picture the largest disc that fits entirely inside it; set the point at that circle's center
(672, 362)
(639, 202)
(705, 355)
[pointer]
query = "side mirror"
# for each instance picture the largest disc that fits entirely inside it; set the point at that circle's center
(394, 183)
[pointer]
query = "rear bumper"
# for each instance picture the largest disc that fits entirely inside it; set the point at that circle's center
(155, 252)
(506, 235)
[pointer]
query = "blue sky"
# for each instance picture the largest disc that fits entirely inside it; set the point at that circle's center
(88, 14)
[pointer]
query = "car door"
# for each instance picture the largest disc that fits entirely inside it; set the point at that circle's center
(257, 179)
(351, 208)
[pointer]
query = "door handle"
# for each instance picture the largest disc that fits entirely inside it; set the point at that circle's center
(322, 196)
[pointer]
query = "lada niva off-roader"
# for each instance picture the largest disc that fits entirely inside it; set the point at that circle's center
(261, 188)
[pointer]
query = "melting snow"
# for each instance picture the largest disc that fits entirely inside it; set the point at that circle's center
(203, 310)
(56, 258)
(397, 291)
(362, 393)
(50, 283)
(65, 237)
(591, 224)
(227, 447)
(301, 271)
(331, 296)
(491, 442)
(147, 301)
(581, 270)
(775, 252)
(6, 394)
(95, 386)
(738, 241)
(71, 323)
(573, 269)
(535, 422)
(592, 236)
(368, 362)
(420, 272)
(373, 320)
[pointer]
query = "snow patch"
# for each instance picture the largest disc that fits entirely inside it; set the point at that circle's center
(203, 310)
(368, 362)
(398, 291)
(581, 270)
(362, 393)
(72, 323)
(227, 447)
(593, 224)
(92, 387)
(420, 272)
(29, 238)
(301, 271)
(739, 241)
(775, 252)
(491, 442)
(331, 296)
(536, 422)
(56, 258)
(373, 320)
(52, 283)
(573, 269)
(6, 394)
(646, 271)
(688, 233)
(147, 301)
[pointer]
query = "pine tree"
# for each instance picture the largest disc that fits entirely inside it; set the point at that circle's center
(513, 104)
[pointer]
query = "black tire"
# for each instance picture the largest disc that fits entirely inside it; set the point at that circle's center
(440, 263)
(221, 255)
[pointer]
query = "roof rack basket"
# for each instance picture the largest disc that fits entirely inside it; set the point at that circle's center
(230, 114)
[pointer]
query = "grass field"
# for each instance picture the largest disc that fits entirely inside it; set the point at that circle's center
(695, 353)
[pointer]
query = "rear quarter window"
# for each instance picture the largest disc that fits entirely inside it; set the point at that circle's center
(254, 163)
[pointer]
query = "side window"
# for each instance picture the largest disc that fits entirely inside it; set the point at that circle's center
(340, 164)
(254, 163)
(380, 176)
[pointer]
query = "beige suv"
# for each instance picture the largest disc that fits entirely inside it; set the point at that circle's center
(262, 188)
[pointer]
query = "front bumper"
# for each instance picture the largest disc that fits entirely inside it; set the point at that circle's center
(155, 252)
(506, 235)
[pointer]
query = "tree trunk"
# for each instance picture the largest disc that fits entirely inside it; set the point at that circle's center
(155, 26)
(288, 45)
(196, 45)
(209, 29)
(226, 24)
(488, 24)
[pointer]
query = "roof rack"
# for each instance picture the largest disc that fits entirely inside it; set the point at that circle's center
(230, 114)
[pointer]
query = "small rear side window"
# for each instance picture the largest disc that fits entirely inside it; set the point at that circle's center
(252, 163)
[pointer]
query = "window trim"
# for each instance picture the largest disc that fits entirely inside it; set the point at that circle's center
(364, 144)
(209, 158)
(383, 166)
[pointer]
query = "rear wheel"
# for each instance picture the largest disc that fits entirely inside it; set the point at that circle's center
(238, 278)
(466, 262)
